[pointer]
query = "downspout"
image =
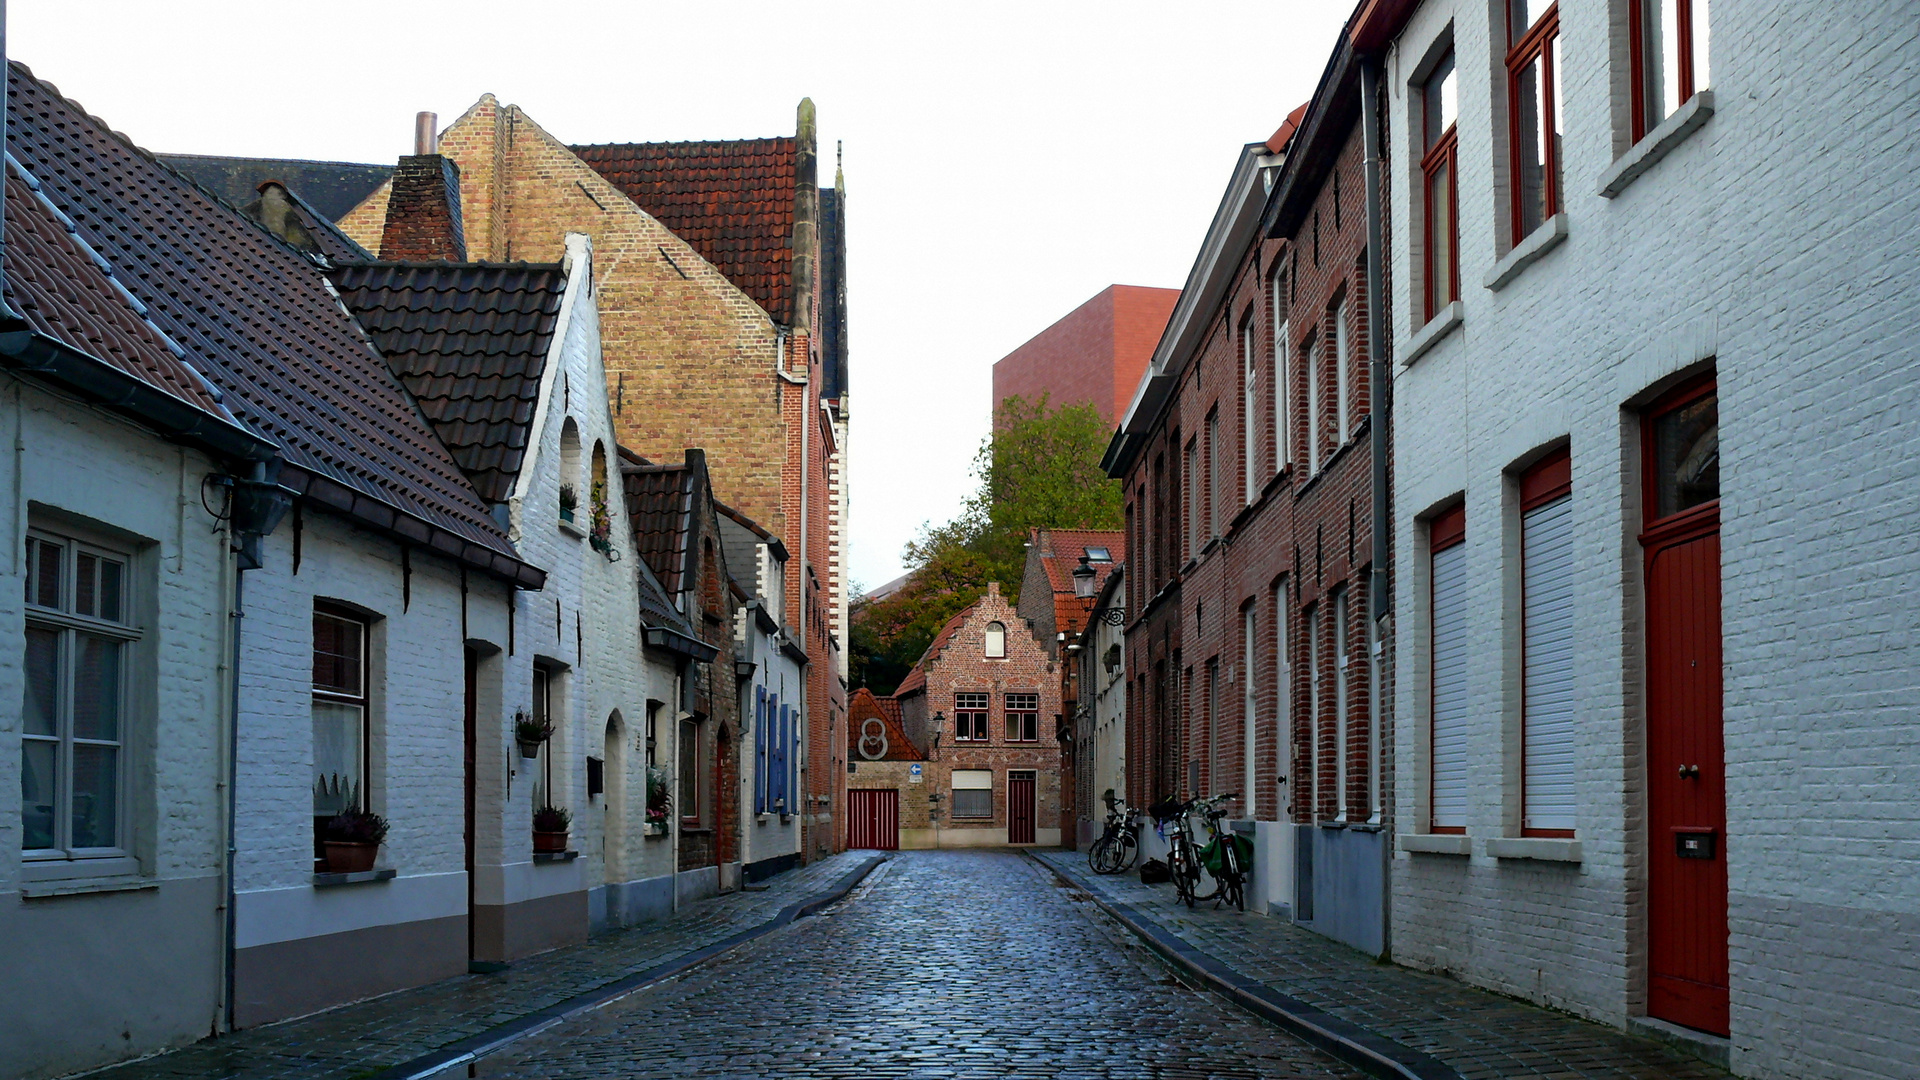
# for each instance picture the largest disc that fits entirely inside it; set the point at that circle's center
(233, 770)
(1382, 407)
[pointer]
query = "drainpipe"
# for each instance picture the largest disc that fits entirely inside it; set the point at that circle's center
(233, 770)
(1381, 390)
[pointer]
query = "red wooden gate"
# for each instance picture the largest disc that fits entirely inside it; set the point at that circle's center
(873, 818)
(1020, 808)
(1686, 775)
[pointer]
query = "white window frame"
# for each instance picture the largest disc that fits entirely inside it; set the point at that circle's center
(1282, 389)
(1214, 501)
(1282, 699)
(971, 780)
(994, 645)
(1312, 620)
(1316, 349)
(1342, 377)
(1549, 780)
(1449, 709)
(68, 624)
(1249, 710)
(1249, 408)
(1342, 666)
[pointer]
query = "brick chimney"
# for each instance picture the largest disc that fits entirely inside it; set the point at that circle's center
(423, 209)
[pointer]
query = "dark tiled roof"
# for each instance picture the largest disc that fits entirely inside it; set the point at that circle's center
(660, 509)
(470, 340)
(655, 608)
(331, 187)
(260, 321)
(54, 283)
(731, 201)
(322, 236)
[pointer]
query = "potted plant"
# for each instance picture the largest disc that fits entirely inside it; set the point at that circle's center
(530, 733)
(601, 533)
(659, 800)
(550, 825)
(351, 840)
(569, 499)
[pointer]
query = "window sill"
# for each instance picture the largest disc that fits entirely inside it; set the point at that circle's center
(1437, 843)
(64, 871)
(573, 530)
(1537, 243)
(31, 890)
(1657, 144)
(1431, 334)
(694, 830)
(362, 877)
(1544, 849)
(551, 857)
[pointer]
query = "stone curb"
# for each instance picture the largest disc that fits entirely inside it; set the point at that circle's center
(471, 1049)
(1359, 1046)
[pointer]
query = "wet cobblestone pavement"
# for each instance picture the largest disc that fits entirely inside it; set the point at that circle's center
(940, 964)
(1481, 1035)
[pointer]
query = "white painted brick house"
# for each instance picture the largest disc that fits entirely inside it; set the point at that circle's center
(1567, 626)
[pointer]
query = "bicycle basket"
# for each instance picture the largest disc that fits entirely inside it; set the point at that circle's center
(1154, 872)
(1213, 857)
(1165, 809)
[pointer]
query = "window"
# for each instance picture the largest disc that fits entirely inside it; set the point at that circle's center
(1311, 351)
(1282, 392)
(1215, 503)
(783, 783)
(690, 772)
(763, 759)
(1533, 103)
(1342, 371)
(1683, 449)
(1249, 408)
(1249, 772)
(1669, 43)
(1440, 168)
(1194, 507)
(970, 717)
(996, 641)
(1023, 717)
(1450, 709)
(340, 723)
(972, 793)
(1342, 724)
(1211, 736)
(541, 789)
(1099, 554)
(1547, 661)
(1282, 690)
(570, 478)
(79, 635)
(1310, 798)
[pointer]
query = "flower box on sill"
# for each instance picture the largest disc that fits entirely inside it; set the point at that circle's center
(656, 828)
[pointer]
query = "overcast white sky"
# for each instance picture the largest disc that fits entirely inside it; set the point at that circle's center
(1004, 161)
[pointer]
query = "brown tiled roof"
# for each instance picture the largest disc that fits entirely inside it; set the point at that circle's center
(54, 283)
(1059, 554)
(732, 201)
(322, 237)
(470, 341)
(864, 705)
(259, 320)
(660, 509)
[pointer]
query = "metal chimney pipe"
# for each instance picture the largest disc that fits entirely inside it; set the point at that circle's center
(426, 133)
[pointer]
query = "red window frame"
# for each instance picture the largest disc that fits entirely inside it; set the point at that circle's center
(1683, 55)
(1023, 716)
(1448, 530)
(1679, 397)
(1443, 152)
(969, 719)
(1535, 44)
(1550, 478)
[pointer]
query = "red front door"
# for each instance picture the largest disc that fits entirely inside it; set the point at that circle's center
(873, 818)
(1686, 775)
(1020, 808)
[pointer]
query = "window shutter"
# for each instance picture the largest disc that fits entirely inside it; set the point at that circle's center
(1546, 538)
(1451, 709)
(780, 754)
(760, 749)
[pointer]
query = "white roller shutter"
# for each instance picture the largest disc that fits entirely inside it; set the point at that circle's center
(1450, 706)
(1547, 581)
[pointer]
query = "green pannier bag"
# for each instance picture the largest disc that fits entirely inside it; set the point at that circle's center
(1214, 856)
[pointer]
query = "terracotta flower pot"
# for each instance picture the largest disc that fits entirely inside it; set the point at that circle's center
(349, 856)
(549, 841)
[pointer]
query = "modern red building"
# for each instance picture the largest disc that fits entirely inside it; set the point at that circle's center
(1095, 355)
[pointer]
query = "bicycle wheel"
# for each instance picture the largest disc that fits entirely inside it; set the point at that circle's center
(1097, 854)
(1124, 849)
(1182, 874)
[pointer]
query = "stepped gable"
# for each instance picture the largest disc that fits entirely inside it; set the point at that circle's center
(659, 501)
(732, 201)
(470, 341)
(917, 678)
(261, 322)
(53, 282)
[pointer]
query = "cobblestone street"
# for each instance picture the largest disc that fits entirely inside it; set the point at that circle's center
(939, 964)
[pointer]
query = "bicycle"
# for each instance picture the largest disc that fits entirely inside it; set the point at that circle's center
(1116, 849)
(1224, 855)
(1183, 864)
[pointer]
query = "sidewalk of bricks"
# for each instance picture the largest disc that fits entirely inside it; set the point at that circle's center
(363, 1038)
(1479, 1034)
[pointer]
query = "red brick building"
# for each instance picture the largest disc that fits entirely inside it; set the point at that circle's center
(1248, 460)
(1095, 355)
(980, 705)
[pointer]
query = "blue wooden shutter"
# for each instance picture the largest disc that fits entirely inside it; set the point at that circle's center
(760, 749)
(786, 786)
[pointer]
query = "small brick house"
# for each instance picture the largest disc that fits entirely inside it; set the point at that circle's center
(980, 705)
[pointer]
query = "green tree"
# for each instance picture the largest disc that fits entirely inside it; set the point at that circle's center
(1039, 469)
